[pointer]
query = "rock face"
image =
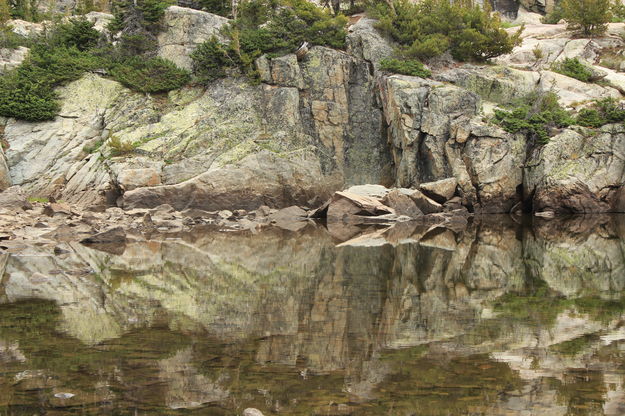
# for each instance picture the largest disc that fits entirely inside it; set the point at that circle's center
(184, 30)
(316, 124)
(434, 135)
(575, 173)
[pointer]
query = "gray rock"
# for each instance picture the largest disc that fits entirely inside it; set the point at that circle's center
(578, 172)
(185, 29)
(225, 214)
(285, 71)
(250, 411)
(365, 42)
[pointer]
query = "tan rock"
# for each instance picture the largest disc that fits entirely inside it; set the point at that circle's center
(441, 190)
(402, 204)
(425, 204)
(130, 179)
(346, 204)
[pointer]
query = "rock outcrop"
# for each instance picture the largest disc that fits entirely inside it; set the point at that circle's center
(184, 29)
(578, 173)
(316, 124)
(435, 135)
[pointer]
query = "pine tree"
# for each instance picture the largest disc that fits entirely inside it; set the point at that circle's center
(589, 17)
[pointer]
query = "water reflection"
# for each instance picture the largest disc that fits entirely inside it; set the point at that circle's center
(491, 318)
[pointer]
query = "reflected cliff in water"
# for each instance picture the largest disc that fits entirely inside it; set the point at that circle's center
(495, 317)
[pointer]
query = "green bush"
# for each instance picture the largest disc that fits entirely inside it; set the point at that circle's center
(138, 15)
(69, 51)
(153, 10)
(406, 67)
(426, 29)
(605, 111)
(11, 40)
(25, 99)
(572, 67)
(150, 75)
(588, 17)
(211, 60)
(27, 92)
(589, 117)
(272, 27)
(535, 115)
(57, 66)
(78, 33)
(136, 44)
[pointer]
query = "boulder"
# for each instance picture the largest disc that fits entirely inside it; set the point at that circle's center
(26, 29)
(423, 203)
(292, 213)
(14, 199)
(346, 204)
(371, 191)
(578, 172)
(527, 17)
(402, 204)
(441, 190)
(292, 218)
(183, 30)
(259, 179)
(250, 411)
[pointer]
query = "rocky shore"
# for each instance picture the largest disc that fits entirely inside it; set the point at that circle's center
(235, 154)
(346, 214)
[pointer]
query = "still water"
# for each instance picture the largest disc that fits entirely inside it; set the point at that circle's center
(498, 318)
